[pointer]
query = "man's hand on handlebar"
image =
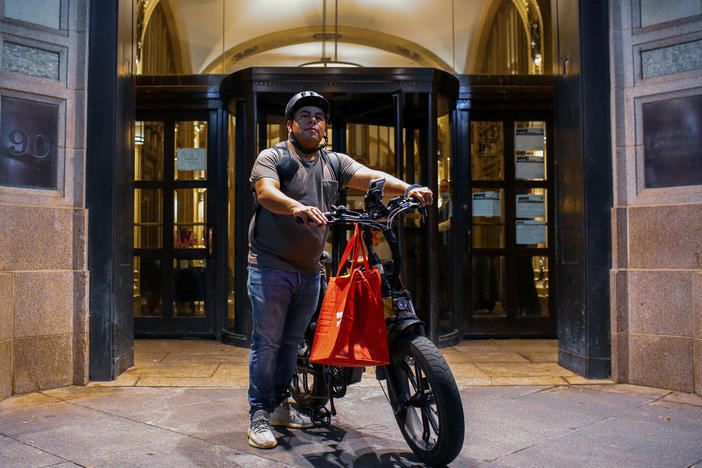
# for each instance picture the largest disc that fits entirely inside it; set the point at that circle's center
(423, 194)
(309, 214)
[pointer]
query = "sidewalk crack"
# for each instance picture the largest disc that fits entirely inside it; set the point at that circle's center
(65, 460)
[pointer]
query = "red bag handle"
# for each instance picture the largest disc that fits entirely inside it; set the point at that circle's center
(355, 243)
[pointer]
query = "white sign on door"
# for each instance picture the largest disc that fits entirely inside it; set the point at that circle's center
(192, 159)
(530, 231)
(528, 167)
(487, 204)
(531, 206)
(529, 139)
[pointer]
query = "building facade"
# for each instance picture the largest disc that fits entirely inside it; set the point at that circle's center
(612, 260)
(656, 281)
(44, 281)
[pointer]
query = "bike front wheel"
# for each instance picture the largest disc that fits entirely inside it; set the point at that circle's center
(425, 400)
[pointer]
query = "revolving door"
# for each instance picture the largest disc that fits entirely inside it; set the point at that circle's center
(399, 121)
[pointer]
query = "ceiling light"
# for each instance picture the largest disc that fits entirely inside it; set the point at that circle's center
(325, 61)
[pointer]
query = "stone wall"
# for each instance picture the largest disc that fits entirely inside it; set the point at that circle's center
(656, 277)
(43, 275)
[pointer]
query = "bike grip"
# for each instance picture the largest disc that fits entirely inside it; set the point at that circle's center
(299, 220)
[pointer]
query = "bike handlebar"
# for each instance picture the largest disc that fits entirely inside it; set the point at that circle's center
(396, 206)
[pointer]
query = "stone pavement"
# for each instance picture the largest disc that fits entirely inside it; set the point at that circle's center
(203, 363)
(560, 424)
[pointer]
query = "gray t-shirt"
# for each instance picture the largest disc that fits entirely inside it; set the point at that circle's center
(279, 241)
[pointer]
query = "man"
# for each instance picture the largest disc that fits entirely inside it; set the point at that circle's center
(295, 179)
(445, 211)
(445, 259)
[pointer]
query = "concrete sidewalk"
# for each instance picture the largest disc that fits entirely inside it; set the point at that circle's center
(506, 426)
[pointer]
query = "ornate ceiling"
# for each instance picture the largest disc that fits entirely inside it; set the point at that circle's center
(392, 33)
(221, 36)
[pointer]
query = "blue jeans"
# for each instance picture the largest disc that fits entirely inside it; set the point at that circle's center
(282, 304)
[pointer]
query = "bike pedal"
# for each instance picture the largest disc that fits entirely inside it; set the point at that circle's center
(321, 416)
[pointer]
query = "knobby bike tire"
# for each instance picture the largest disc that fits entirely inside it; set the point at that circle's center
(416, 354)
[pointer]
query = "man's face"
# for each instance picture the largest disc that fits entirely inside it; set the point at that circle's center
(444, 186)
(309, 125)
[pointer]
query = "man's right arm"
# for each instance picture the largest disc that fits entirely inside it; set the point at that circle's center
(270, 197)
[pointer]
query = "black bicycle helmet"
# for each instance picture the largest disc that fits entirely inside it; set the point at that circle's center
(306, 98)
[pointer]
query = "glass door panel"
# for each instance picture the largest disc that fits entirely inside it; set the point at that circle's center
(488, 286)
(414, 266)
(148, 287)
(447, 323)
(189, 287)
(488, 214)
(532, 286)
(148, 150)
(531, 210)
(190, 218)
(148, 218)
(487, 150)
(372, 146)
(172, 234)
(530, 150)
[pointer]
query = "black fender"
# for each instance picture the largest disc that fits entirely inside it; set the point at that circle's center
(396, 330)
(404, 327)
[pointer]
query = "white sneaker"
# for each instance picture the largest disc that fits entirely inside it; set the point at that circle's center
(260, 432)
(287, 416)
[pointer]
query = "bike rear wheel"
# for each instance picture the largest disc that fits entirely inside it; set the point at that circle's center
(426, 401)
(307, 386)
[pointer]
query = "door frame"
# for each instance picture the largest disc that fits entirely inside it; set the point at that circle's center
(501, 98)
(169, 98)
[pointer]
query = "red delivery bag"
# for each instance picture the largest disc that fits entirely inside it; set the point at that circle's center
(351, 326)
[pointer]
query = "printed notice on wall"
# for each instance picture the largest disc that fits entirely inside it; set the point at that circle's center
(192, 159)
(529, 139)
(530, 231)
(528, 167)
(487, 204)
(531, 206)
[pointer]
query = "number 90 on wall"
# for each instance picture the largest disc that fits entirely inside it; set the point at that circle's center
(20, 144)
(29, 141)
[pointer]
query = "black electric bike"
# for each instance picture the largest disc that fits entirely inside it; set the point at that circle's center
(420, 387)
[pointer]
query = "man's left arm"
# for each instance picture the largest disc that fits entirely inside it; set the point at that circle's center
(393, 186)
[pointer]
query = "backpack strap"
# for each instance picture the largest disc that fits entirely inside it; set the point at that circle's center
(335, 163)
(282, 150)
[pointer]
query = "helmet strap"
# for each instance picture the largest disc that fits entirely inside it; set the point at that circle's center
(297, 145)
